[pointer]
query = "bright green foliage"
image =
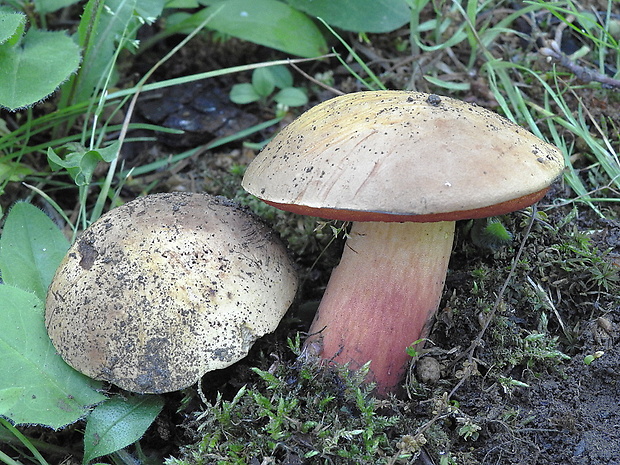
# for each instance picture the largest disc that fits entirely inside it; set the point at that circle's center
(264, 82)
(117, 423)
(31, 248)
(47, 6)
(34, 67)
(79, 162)
(323, 413)
(267, 22)
(101, 31)
(11, 26)
(358, 15)
(36, 385)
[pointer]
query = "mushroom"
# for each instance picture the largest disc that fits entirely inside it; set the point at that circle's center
(165, 288)
(403, 167)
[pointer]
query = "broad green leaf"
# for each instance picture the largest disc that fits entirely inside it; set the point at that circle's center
(49, 392)
(32, 69)
(267, 22)
(11, 26)
(150, 10)
(47, 6)
(358, 15)
(31, 248)
(119, 422)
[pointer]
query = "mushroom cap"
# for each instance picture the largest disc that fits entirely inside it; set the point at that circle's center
(165, 288)
(402, 156)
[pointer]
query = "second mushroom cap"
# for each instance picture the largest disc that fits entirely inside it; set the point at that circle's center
(165, 288)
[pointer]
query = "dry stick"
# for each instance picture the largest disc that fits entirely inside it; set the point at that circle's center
(476, 343)
(582, 73)
(314, 80)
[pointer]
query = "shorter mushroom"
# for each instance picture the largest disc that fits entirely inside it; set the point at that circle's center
(404, 167)
(165, 288)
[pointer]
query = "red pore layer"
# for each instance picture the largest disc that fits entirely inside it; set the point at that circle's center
(356, 215)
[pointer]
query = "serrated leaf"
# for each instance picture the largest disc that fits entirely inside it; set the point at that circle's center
(31, 248)
(358, 15)
(267, 22)
(11, 26)
(119, 422)
(36, 385)
(34, 68)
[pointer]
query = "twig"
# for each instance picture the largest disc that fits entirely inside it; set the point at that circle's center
(553, 51)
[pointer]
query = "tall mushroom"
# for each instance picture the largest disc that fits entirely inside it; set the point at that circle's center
(165, 288)
(403, 166)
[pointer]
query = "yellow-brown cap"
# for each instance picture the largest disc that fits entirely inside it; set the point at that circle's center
(402, 156)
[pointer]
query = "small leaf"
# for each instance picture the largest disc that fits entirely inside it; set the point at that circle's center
(81, 163)
(31, 248)
(36, 385)
(263, 82)
(282, 77)
(242, 94)
(119, 422)
(33, 69)
(291, 96)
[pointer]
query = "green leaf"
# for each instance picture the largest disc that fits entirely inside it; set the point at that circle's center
(36, 385)
(35, 67)
(291, 96)
(11, 26)
(47, 6)
(263, 82)
(242, 94)
(13, 171)
(358, 15)
(31, 248)
(267, 22)
(119, 422)
(282, 77)
(81, 163)
(99, 33)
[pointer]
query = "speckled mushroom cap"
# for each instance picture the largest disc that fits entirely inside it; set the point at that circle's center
(402, 156)
(165, 288)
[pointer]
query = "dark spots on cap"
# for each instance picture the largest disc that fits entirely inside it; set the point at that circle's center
(88, 253)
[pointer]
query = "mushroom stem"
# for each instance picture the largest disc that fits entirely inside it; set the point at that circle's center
(382, 296)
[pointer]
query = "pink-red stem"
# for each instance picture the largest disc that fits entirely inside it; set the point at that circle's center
(382, 296)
